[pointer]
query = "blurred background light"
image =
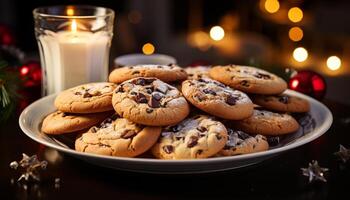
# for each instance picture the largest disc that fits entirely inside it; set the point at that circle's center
(300, 54)
(272, 6)
(217, 33)
(295, 14)
(295, 34)
(333, 63)
(148, 49)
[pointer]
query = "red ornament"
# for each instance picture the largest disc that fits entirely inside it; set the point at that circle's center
(31, 74)
(6, 36)
(197, 63)
(309, 83)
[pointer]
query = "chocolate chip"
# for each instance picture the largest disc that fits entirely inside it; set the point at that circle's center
(87, 95)
(219, 137)
(244, 83)
(219, 84)
(149, 110)
(130, 67)
(262, 75)
(128, 134)
(141, 98)
(182, 70)
(209, 91)
(200, 97)
(199, 151)
(133, 93)
(175, 128)
(273, 141)
(254, 145)
(149, 91)
(283, 99)
(168, 149)
(159, 66)
(93, 130)
(64, 114)
(192, 142)
(202, 80)
(77, 93)
(114, 117)
(231, 100)
(155, 100)
(202, 129)
(170, 64)
(120, 89)
(140, 81)
(162, 88)
(135, 72)
(149, 80)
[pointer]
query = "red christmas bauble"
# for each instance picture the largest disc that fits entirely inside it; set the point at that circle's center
(31, 74)
(309, 83)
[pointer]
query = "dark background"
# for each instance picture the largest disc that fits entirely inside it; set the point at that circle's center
(252, 35)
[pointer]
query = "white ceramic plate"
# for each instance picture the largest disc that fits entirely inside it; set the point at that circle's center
(314, 126)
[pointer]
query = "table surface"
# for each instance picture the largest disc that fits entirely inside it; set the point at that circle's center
(277, 178)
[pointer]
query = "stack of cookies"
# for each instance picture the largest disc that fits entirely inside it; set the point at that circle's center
(176, 113)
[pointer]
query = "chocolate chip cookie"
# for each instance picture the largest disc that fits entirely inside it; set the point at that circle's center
(87, 98)
(248, 79)
(196, 137)
(150, 101)
(166, 73)
(197, 72)
(267, 123)
(60, 122)
(240, 142)
(118, 137)
(282, 103)
(217, 99)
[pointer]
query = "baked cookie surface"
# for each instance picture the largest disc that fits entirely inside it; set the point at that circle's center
(248, 79)
(217, 99)
(87, 98)
(240, 142)
(150, 101)
(197, 72)
(118, 137)
(166, 73)
(267, 123)
(282, 103)
(59, 122)
(195, 137)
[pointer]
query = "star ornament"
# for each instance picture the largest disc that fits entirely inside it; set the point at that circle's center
(315, 172)
(30, 166)
(343, 154)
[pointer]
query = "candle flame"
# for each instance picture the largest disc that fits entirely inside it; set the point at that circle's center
(74, 26)
(70, 11)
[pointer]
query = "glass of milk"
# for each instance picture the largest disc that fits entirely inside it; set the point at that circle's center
(74, 44)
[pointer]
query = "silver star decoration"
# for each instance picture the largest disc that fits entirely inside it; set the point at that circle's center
(343, 153)
(30, 166)
(314, 172)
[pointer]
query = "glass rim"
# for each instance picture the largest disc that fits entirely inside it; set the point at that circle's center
(37, 12)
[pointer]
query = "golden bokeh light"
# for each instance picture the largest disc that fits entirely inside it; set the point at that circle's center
(333, 63)
(272, 6)
(217, 33)
(295, 14)
(200, 39)
(148, 49)
(300, 54)
(295, 34)
(70, 11)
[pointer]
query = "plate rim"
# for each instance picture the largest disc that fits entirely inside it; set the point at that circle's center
(322, 129)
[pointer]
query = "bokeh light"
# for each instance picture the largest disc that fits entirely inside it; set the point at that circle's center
(272, 6)
(295, 34)
(333, 63)
(300, 54)
(217, 33)
(148, 49)
(70, 11)
(295, 14)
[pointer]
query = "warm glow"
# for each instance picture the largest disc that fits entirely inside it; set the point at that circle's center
(148, 49)
(199, 39)
(295, 14)
(300, 54)
(272, 6)
(74, 26)
(296, 34)
(24, 70)
(70, 11)
(333, 63)
(217, 33)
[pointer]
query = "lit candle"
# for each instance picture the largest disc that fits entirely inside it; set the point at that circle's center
(74, 56)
